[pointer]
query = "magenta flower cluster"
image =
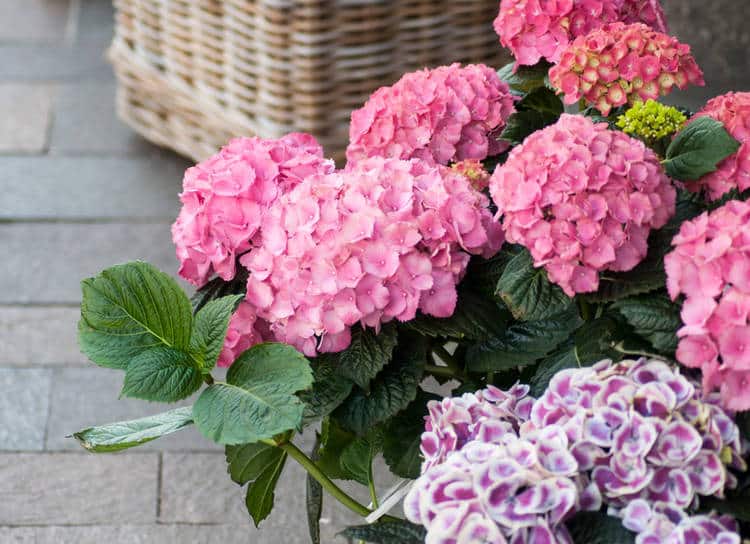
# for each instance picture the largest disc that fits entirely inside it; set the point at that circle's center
(504, 467)
(445, 114)
(733, 111)
(710, 266)
(541, 29)
(582, 199)
(225, 197)
(375, 242)
(620, 63)
(662, 523)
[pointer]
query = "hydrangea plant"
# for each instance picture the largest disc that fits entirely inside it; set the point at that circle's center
(563, 259)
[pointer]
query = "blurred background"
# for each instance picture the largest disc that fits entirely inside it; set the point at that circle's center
(80, 191)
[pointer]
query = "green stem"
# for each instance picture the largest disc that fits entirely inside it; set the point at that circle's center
(442, 371)
(371, 487)
(585, 309)
(619, 347)
(208, 379)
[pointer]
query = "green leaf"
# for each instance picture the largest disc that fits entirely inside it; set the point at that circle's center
(391, 532)
(654, 318)
(525, 78)
(390, 392)
(356, 460)
(736, 506)
(522, 124)
(210, 328)
(528, 292)
(543, 100)
(476, 317)
(698, 148)
(259, 466)
(598, 528)
(314, 498)
(217, 288)
(522, 343)
(162, 375)
(564, 357)
(128, 309)
(367, 354)
(329, 389)
(594, 341)
(129, 434)
(258, 401)
(333, 441)
(483, 274)
(402, 437)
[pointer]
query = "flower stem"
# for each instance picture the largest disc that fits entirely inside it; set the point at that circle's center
(371, 487)
(442, 371)
(208, 379)
(619, 347)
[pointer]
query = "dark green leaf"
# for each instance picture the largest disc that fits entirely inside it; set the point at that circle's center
(367, 354)
(314, 498)
(128, 434)
(258, 401)
(522, 124)
(333, 441)
(736, 506)
(217, 288)
(391, 532)
(483, 274)
(528, 292)
(598, 528)
(564, 357)
(128, 309)
(356, 460)
(402, 437)
(210, 328)
(390, 392)
(544, 100)
(522, 343)
(261, 491)
(525, 78)
(162, 375)
(698, 148)
(653, 317)
(594, 341)
(329, 389)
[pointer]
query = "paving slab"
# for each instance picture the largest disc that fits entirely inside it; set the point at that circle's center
(92, 187)
(25, 116)
(86, 122)
(85, 397)
(33, 20)
(48, 260)
(77, 489)
(24, 405)
(131, 534)
(95, 22)
(39, 336)
(38, 62)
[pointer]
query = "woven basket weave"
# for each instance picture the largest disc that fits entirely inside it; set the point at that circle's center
(194, 73)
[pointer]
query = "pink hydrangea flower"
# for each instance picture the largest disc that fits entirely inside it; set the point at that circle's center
(224, 199)
(450, 113)
(540, 29)
(582, 199)
(375, 242)
(244, 331)
(620, 63)
(710, 265)
(733, 110)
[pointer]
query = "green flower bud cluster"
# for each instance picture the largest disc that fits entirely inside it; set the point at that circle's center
(651, 121)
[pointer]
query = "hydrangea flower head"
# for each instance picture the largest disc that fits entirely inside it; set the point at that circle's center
(710, 266)
(375, 242)
(651, 121)
(619, 64)
(450, 113)
(582, 199)
(225, 196)
(538, 29)
(244, 331)
(733, 110)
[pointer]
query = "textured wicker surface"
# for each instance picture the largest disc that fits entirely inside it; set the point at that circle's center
(193, 73)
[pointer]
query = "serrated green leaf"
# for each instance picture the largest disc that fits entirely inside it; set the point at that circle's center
(391, 532)
(483, 274)
(128, 309)
(333, 440)
(162, 375)
(522, 124)
(522, 343)
(217, 288)
(129, 434)
(261, 491)
(367, 354)
(390, 392)
(598, 528)
(563, 358)
(402, 437)
(736, 506)
(594, 341)
(258, 401)
(698, 148)
(527, 291)
(544, 100)
(210, 328)
(525, 78)
(356, 460)
(653, 317)
(328, 391)
(314, 498)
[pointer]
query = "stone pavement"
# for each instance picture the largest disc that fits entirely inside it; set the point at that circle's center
(79, 192)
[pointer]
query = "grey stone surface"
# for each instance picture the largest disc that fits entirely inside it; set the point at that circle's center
(91, 187)
(34, 20)
(39, 336)
(85, 397)
(24, 405)
(95, 23)
(86, 122)
(50, 259)
(38, 62)
(25, 114)
(130, 534)
(78, 488)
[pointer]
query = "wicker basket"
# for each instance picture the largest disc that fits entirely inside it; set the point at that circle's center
(194, 73)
